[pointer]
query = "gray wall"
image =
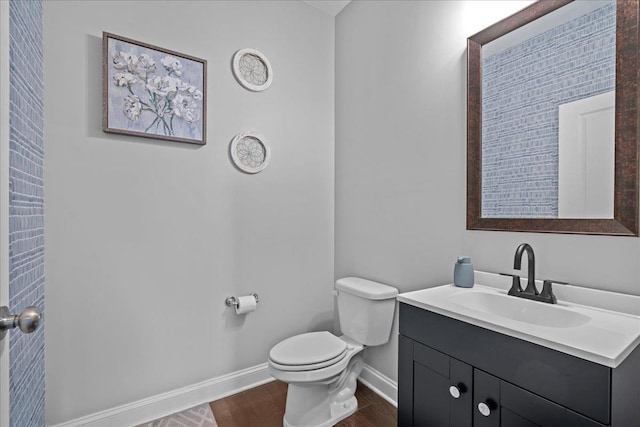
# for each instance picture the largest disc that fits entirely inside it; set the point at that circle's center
(399, 130)
(401, 165)
(145, 238)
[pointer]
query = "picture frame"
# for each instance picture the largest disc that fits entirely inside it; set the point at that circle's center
(152, 92)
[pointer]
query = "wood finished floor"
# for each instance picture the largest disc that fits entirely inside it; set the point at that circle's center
(263, 406)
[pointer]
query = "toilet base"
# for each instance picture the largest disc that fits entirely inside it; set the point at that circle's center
(326, 403)
(338, 413)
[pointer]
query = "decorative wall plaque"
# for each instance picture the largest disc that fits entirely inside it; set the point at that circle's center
(252, 69)
(250, 152)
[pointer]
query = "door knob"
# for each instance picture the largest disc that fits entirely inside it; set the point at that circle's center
(485, 408)
(27, 321)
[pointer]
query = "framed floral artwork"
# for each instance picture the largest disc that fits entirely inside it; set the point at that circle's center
(153, 92)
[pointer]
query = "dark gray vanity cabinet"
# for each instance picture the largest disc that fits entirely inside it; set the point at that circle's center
(452, 373)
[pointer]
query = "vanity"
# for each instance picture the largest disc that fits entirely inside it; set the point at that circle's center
(535, 109)
(479, 357)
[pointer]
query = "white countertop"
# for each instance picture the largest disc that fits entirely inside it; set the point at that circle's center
(598, 334)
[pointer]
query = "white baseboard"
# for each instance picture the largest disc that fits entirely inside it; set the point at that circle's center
(145, 410)
(161, 405)
(381, 384)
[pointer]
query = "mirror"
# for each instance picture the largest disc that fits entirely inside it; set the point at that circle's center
(552, 120)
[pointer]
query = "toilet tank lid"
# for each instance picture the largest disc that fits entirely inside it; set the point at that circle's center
(366, 288)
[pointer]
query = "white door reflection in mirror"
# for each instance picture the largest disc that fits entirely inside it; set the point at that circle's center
(586, 157)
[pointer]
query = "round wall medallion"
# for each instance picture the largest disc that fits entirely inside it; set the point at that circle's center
(252, 69)
(250, 152)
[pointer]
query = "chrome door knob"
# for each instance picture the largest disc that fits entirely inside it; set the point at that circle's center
(456, 390)
(484, 409)
(27, 321)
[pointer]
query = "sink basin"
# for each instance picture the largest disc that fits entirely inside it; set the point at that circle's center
(591, 332)
(521, 310)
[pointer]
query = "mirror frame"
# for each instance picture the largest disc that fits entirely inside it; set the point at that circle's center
(625, 220)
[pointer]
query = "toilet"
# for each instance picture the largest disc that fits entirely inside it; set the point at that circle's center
(321, 368)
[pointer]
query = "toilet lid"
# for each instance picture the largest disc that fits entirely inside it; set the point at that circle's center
(307, 349)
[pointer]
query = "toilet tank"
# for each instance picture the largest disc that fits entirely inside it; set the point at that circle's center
(366, 310)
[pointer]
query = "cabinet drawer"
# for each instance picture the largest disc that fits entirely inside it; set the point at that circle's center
(580, 385)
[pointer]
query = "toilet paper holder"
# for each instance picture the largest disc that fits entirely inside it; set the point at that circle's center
(233, 301)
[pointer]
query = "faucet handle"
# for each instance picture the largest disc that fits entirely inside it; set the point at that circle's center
(515, 284)
(547, 291)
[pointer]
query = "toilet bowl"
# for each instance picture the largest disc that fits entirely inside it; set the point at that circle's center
(321, 392)
(321, 368)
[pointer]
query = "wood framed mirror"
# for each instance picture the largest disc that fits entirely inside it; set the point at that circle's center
(489, 211)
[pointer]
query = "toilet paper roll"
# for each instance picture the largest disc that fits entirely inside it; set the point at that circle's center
(246, 304)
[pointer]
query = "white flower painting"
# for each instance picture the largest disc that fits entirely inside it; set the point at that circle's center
(152, 92)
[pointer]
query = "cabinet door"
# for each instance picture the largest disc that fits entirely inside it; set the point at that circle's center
(486, 400)
(538, 410)
(434, 389)
(498, 403)
(508, 418)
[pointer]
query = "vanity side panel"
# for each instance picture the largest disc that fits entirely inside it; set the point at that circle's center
(625, 392)
(580, 385)
(405, 382)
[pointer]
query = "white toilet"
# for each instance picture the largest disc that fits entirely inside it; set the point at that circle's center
(321, 368)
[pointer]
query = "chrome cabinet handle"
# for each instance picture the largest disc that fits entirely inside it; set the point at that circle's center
(456, 390)
(27, 321)
(484, 409)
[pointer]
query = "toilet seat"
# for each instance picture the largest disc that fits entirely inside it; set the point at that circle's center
(319, 375)
(313, 350)
(310, 367)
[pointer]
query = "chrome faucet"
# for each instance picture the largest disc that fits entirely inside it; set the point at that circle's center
(530, 292)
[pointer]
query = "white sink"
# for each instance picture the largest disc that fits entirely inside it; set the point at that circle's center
(520, 309)
(592, 333)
